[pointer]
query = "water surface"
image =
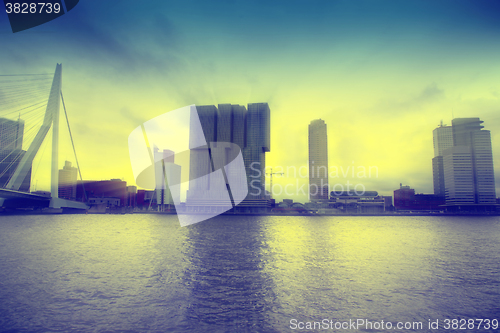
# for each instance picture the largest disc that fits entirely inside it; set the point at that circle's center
(145, 273)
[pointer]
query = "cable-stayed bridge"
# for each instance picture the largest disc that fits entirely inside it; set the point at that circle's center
(24, 97)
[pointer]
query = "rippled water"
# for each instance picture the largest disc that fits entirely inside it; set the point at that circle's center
(144, 273)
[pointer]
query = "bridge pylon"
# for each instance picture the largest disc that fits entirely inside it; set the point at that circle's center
(51, 119)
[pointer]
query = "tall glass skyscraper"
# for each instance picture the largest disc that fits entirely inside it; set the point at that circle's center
(442, 139)
(318, 161)
(468, 165)
(258, 142)
(224, 127)
(11, 134)
(166, 171)
(11, 153)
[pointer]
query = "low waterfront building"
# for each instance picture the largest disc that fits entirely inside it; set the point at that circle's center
(352, 202)
(114, 188)
(405, 198)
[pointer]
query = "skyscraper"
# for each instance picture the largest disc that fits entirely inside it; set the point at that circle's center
(11, 153)
(227, 129)
(11, 134)
(166, 173)
(442, 139)
(318, 161)
(468, 165)
(258, 142)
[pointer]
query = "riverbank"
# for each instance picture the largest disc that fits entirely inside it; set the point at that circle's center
(129, 211)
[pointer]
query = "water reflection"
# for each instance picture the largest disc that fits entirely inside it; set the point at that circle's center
(467, 268)
(108, 271)
(229, 291)
(349, 268)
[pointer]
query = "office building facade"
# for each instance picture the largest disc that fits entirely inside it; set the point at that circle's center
(168, 179)
(318, 161)
(11, 153)
(468, 165)
(442, 140)
(11, 134)
(67, 181)
(229, 129)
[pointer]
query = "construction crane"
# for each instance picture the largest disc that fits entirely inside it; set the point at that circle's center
(271, 175)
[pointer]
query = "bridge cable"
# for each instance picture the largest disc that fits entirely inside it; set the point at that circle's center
(74, 150)
(26, 74)
(44, 144)
(15, 155)
(21, 94)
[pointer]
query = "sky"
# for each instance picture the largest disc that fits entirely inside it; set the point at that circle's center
(382, 74)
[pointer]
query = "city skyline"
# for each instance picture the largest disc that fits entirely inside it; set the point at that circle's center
(382, 90)
(442, 139)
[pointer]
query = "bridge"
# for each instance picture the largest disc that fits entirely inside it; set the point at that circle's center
(16, 164)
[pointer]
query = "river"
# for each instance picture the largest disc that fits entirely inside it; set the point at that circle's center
(145, 273)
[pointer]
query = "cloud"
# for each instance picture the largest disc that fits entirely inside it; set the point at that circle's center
(126, 45)
(430, 94)
(132, 117)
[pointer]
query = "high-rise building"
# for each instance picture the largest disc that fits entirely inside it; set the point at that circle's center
(11, 134)
(9, 160)
(318, 161)
(200, 165)
(468, 165)
(258, 142)
(459, 176)
(67, 181)
(228, 129)
(168, 179)
(442, 139)
(11, 153)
